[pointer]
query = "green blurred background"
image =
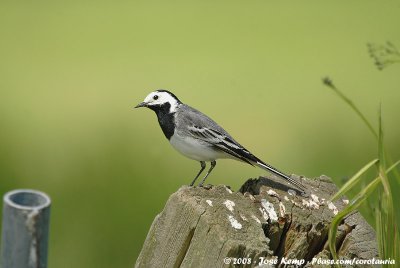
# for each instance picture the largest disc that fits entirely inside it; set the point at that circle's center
(72, 71)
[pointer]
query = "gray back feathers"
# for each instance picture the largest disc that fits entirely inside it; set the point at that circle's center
(188, 116)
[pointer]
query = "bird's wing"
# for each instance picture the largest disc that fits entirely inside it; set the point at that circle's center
(204, 128)
(222, 142)
(233, 148)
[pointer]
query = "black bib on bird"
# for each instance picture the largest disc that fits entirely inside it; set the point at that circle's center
(165, 118)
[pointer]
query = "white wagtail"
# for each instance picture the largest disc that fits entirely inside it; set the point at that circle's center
(198, 137)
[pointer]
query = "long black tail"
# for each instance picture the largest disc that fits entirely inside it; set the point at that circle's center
(280, 174)
(233, 148)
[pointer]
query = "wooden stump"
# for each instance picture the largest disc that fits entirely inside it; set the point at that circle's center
(264, 220)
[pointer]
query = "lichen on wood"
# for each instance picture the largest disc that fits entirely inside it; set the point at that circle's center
(201, 226)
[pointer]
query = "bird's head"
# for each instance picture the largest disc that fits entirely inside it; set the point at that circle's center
(160, 99)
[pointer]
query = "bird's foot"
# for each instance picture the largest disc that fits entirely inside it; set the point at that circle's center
(207, 186)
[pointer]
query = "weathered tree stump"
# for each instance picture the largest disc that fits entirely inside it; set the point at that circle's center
(264, 220)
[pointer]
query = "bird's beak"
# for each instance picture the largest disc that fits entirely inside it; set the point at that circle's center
(142, 104)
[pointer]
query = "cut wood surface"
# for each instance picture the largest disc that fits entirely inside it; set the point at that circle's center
(202, 227)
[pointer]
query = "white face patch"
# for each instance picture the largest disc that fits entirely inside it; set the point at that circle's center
(159, 98)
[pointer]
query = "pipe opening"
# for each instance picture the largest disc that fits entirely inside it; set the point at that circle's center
(28, 199)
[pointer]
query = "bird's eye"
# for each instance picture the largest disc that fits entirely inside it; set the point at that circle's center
(155, 97)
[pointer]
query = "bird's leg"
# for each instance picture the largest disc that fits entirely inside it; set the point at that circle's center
(213, 163)
(203, 166)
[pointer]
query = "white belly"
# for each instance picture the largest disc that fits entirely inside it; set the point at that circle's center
(196, 149)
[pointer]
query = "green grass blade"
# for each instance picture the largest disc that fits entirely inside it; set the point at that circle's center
(354, 180)
(388, 213)
(392, 167)
(380, 237)
(397, 246)
(330, 84)
(381, 234)
(332, 233)
(381, 148)
(397, 177)
(381, 223)
(395, 193)
(355, 203)
(388, 224)
(394, 181)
